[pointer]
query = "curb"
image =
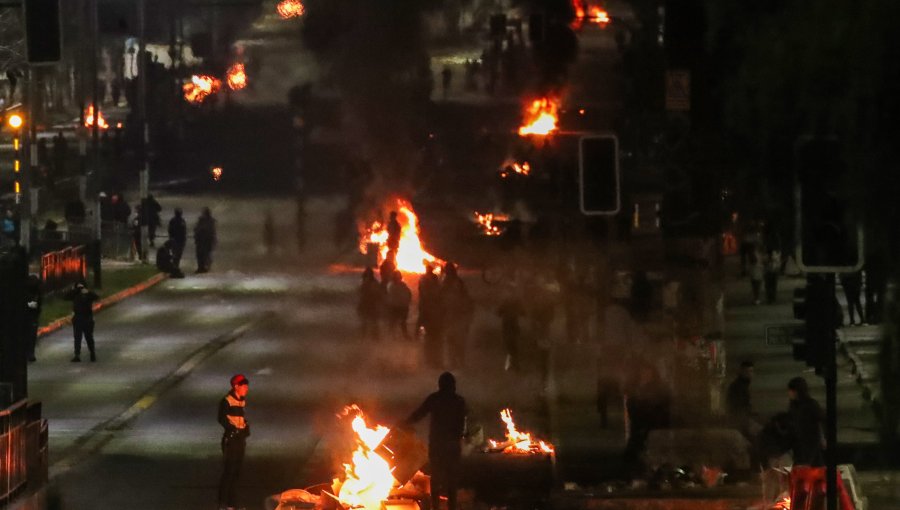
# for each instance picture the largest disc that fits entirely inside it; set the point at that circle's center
(105, 302)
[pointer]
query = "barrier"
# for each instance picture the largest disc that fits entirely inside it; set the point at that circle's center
(64, 267)
(13, 449)
(808, 489)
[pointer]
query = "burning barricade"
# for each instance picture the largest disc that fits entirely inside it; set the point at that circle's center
(200, 88)
(517, 442)
(408, 255)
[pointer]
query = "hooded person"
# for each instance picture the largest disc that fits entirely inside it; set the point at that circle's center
(806, 420)
(445, 435)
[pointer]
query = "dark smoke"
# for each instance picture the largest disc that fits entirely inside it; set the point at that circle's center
(375, 55)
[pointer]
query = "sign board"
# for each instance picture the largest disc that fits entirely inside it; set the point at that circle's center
(678, 91)
(783, 334)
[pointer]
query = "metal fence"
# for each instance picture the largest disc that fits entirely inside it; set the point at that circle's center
(13, 449)
(64, 267)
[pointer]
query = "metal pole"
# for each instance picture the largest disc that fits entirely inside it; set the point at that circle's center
(831, 407)
(29, 153)
(145, 152)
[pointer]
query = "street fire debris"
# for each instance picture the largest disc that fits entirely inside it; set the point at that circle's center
(216, 173)
(541, 117)
(517, 442)
(510, 167)
(200, 87)
(367, 478)
(290, 9)
(89, 118)
(411, 256)
(236, 77)
(588, 13)
(486, 222)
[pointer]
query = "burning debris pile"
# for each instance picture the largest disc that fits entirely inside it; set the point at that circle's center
(588, 13)
(541, 117)
(200, 88)
(236, 77)
(511, 167)
(409, 256)
(517, 442)
(288, 9)
(89, 118)
(486, 223)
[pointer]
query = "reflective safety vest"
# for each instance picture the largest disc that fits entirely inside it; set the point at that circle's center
(231, 412)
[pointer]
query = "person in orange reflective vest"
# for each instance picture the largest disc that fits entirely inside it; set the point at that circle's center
(234, 440)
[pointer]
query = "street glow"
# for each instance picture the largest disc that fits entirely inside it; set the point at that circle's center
(15, 121)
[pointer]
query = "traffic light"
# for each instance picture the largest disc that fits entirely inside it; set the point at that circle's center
(43, 37)
(598, 175)
(829, 237)
(822, 317)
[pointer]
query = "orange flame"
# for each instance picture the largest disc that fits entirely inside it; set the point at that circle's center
(510, 167)
(200, 87)
(89, 118)
(486, 221)
(236, 77)
(541, 117)
(410, 257)
(216, 172)
(518, 442)
(290, 9)
(368, 478)
(783, 504)
(599, 16)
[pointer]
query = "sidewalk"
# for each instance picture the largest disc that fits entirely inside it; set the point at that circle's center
(745, 339)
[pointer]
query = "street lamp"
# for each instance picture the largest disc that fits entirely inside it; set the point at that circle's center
(15, 121)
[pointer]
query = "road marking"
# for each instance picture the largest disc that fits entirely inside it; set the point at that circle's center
(101, 434)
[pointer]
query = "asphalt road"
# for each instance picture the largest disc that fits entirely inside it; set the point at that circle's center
(137, 429)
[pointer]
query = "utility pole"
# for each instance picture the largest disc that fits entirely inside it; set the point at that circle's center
(97, 186)
(142, 105)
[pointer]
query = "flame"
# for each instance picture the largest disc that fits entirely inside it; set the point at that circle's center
(410, 257)
(216, 172)
(518, 442)
(290, 9)
(89, 118)
(486, 221)
(367, 478)
(783, 504)
(236, 77)
(540, 117)
(514, 167)
(592, 14)
(200, 87)
(599, 16)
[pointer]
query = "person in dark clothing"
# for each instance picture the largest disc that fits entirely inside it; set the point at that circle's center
(121, 209)
(394, 229)
(737, 400)
(774, 440)
(509, 311)
(137, 243)
(33, 303)
(399, 298)
(429, 302)
(458, 310)
(876, 284)
(178, 235)
(806, 418)
(151, 213)
(445, 434)
(60, 154)
(852, 284)
(648, 407)
(446, 79)
(205, 240)
(165, 260)
(371, 296)
(386, 270)
(234, 439)
(82, 318)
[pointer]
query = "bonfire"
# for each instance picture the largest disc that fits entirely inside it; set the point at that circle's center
(411, 256)
(518, 442)
(541, 117)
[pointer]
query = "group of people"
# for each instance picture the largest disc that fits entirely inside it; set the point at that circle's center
(445, 310)
(799, 430)
(168, 256)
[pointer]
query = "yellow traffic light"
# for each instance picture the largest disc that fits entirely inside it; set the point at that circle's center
(15, 121)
